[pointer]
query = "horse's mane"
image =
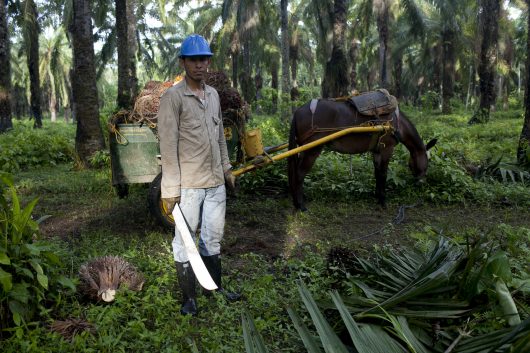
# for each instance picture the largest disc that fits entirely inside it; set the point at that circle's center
(409, 134)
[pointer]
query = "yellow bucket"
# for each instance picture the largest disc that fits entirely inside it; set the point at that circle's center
(253, 144)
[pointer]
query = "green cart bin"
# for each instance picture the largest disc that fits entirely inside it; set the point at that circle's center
(134, 154)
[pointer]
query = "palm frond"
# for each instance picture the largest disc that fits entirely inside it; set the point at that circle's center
(310, 342)
(329, 338)
(253, 340)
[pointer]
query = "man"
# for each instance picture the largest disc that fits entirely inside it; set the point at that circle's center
(195, 165)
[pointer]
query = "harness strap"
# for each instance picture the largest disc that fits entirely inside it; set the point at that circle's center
(307, 134)
(374, 141)
(313, 105)
(396, 133)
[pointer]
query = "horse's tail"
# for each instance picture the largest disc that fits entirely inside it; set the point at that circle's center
(292, 161)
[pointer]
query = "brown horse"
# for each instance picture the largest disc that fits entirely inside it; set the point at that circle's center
(331, 116)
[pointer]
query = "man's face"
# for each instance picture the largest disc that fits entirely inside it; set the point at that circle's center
(196, 66)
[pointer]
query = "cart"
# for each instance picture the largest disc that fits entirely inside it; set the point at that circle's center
(135, 157)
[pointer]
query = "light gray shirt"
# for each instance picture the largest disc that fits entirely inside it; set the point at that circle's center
(192, 141)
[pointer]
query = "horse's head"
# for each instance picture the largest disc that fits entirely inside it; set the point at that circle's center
(419, 161)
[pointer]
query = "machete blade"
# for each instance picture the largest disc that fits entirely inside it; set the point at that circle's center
(200, 270)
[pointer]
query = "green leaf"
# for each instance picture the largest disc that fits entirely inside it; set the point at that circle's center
(507, 304)
(43, 280)
(366, 338)
(253, 340)
(66, 282)
(402, 330)
(17, 310)
(52, 257)
(42, 219)
(20, 292)
(32, 249)
(36, 266)
(5, 280)
(17, 318)
(6, 178)
(499, 265)
(4, 259)
(307, 338)
(330, 341)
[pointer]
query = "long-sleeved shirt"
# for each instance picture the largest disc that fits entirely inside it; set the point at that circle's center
(192, 141)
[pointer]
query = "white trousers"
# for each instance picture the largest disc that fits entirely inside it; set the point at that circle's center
(207, 206)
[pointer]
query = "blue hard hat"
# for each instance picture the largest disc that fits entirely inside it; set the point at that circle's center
(195, 45)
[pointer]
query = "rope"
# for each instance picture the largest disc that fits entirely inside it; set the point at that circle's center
(118, 136)
(398, 219)
(118, 118)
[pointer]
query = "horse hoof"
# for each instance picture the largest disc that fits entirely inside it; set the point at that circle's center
(300, 208)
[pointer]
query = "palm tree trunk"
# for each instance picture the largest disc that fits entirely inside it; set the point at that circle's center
(234, 51)
(435, 83)
(286, 82)
(448, 78)
(275, 85)
(127, 47)
(523, 148)
(382, 12)
(293, 58)
(470, 85)
(89, 137)
(53, 96)
(353, 53)
(248, 24)
(31, 39)
(235, 67)
(490, 28)
(245, 78)
(336, 80)
(397, 73)
(5, 72)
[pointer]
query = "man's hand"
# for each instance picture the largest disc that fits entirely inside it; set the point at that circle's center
(169, 204)
(230, 181)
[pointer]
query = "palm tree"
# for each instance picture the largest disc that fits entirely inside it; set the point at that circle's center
(89, 137)
(19, 80)
(336, 81)
(126, 32)
(31, 32)
(284, 15)
(249, 14)
(490, 10)
(449, 15)
(299, 52)
(382, 12)
(55, 65)
(5, 72)
(523, 149)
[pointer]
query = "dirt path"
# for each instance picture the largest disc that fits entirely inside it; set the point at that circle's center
(271, 227)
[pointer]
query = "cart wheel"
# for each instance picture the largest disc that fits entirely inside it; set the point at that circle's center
(122, 190)
(156, 206)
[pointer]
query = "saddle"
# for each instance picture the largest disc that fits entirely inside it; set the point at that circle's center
(374, 103)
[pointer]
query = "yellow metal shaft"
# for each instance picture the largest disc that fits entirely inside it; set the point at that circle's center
(323, 140)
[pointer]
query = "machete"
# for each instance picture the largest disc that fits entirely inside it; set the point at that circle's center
(200, 270)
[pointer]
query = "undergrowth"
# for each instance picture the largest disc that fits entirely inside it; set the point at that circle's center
(92, 222)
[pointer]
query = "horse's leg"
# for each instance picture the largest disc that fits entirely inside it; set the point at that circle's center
(381, 160)
(305, 163)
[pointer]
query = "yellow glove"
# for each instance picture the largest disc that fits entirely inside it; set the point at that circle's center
(169, 204)
(230, 180)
